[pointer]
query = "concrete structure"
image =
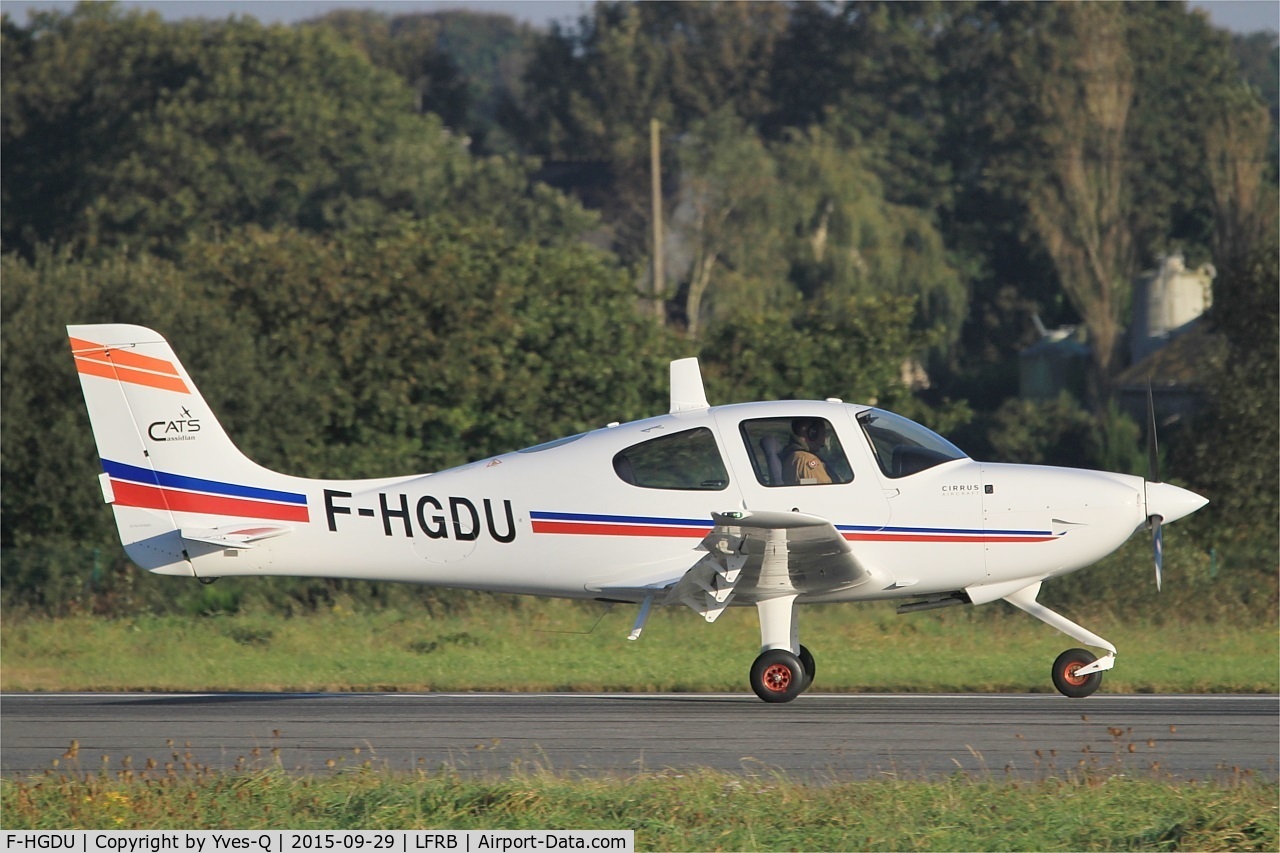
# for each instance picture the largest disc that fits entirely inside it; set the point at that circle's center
(1166, 302)
(1058, 361)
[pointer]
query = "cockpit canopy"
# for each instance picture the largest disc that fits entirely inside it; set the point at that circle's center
(903, 447)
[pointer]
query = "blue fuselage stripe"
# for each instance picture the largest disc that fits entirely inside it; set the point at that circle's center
(137, 474)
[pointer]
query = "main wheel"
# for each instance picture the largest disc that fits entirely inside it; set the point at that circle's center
(1065, 678)
(777, 676)
(810, 667)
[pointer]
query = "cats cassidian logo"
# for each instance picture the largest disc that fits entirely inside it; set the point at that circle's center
(183, 428)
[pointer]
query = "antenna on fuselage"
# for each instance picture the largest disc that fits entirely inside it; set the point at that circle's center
(687, 393)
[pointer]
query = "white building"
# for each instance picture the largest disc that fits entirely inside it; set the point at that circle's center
(1166, 302)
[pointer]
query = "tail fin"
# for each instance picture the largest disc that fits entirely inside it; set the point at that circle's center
(170, 472)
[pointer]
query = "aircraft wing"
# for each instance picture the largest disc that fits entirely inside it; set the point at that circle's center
(758, 555)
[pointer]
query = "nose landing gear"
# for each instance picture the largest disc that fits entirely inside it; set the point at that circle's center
(1076, 673)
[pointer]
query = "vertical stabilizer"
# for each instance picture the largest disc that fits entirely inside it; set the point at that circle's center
(167, 462)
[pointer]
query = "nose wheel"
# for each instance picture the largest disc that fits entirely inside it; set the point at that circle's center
(1067, 677)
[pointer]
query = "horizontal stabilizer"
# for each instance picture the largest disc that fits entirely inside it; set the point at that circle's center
(234, 536)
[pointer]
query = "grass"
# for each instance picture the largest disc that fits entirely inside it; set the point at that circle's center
(495, 644)
(698, 811)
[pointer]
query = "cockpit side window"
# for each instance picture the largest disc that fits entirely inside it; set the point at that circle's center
(687, 460)
(795, 452)
(903, 447)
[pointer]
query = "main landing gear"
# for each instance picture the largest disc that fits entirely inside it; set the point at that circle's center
(1076, 673)
(780, 674)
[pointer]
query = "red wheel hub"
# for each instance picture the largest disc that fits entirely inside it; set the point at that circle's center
(1069, 674)
(777, 678)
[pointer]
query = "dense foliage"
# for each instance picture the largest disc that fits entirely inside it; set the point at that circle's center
(397, 242)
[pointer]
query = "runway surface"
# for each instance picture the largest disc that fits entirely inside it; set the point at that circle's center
(818, 737)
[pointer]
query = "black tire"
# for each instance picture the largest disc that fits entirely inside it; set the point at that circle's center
(1065, 679)
(810, 666)
(777, 676)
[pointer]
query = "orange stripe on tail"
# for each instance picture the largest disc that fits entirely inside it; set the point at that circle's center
(110, 363)
(122, 357)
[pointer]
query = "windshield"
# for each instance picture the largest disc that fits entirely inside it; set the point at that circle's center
(903, 447)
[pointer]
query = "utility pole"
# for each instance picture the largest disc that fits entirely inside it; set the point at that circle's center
(659, 274)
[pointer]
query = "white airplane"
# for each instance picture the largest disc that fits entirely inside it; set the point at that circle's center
(768, 504)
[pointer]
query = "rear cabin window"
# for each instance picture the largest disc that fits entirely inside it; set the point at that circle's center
(688, 461)
(795, 452)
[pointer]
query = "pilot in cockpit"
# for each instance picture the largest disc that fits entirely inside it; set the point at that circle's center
(801, 463)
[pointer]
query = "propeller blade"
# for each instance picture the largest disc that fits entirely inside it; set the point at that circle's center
(1153, 476)
(1153, 446)
(1157, 543)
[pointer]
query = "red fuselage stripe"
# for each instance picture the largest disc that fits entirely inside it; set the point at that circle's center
(151, 497)
(576, 527)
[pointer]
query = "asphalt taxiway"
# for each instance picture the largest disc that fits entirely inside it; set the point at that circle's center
(818, 737)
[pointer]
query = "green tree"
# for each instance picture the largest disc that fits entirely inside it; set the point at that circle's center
(1231, 453)
(876, 67)
(1244, 200)
(847, 238)
(492, 52)
(409, 46)
(46, 444)
(997, 62)
(413, 347)
(426, 345)
(1058, 432)
(465, 66)
(591, 90)
(850, 347)
(730, 205)
(1183, 70)
(120, 128)
(1082, 212)
(1259, 57)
